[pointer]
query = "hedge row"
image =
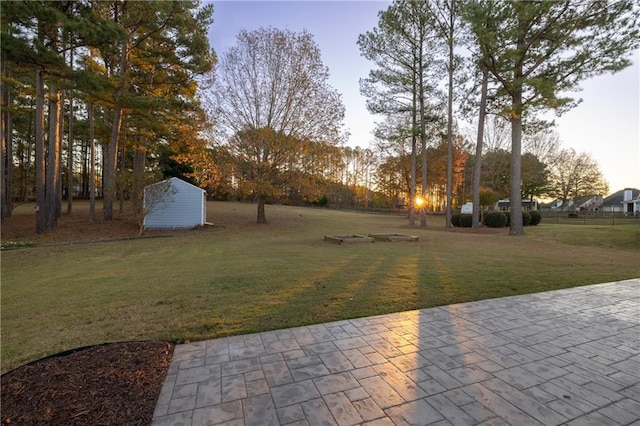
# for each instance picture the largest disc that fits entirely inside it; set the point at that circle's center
(496, 219)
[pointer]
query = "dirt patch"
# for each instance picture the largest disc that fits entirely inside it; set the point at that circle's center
(75, 228)
(111, 384)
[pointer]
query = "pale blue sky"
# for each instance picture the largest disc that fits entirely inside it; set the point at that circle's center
(606, 124)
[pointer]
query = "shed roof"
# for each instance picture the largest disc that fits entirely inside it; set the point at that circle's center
(178, 181)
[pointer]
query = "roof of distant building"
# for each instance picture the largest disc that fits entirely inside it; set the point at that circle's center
(616, 198)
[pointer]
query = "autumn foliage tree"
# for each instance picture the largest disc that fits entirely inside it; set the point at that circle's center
(271, 95)
(132, 70)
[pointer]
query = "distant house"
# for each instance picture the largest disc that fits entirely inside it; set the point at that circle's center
(174, 204)
(623, 201)
(588, 202)
(551, 205)
(631, 203)
(505, 205)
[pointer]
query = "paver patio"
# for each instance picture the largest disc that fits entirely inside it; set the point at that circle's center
(560, 357)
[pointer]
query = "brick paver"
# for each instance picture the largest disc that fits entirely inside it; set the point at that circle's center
(560, 357)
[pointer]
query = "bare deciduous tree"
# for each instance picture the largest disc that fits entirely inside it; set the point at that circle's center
(575, 175)
(272, 83)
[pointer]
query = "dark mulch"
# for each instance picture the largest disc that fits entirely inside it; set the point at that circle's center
(111, 384)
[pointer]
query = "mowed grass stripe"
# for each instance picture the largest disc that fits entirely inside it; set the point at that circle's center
(243, 277)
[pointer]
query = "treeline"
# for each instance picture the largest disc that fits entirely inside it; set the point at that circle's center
(100, 98)
(95, 95)
(438, 61)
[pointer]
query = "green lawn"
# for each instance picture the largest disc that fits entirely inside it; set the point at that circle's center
(243, 277)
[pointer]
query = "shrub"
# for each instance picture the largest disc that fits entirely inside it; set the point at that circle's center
(536, 217)
(13, 245)
(495, 219)
(322, 201)
(455, 219)
(526, 218)
(465, 220)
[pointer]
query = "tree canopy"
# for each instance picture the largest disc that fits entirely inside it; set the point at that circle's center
(541, 51)
(127, 70)
(271, 95)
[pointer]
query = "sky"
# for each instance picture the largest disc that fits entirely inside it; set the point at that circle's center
(606, 124)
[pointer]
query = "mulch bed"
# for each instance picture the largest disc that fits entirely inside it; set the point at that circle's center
(111, 384)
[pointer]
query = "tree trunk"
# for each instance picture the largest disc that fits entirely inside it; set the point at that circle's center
(70, 155)
(110, 163)
(40, 148)
(53, 160)
(27, 157)
(516, 226)
(109, 182)
(450, 119)
(121, 186)
(58, 195)
(412, 184)
(423, 144)
(6, 163)
(262, 218)
(477, 165)
(92, 167)
(3, 156)
(139, 159)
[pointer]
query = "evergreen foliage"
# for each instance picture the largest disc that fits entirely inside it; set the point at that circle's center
(536, 217)
(455, 219)
(465, 220)
(495, 219)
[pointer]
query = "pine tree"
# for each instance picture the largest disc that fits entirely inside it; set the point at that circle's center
(540, 51)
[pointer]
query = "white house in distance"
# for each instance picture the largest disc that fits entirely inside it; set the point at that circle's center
(622, 201)
(631, 205)
(174, 204)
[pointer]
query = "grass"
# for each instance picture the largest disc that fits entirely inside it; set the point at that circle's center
(244, 278)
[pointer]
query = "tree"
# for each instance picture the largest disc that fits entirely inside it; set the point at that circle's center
(153, 70)
(446, 18)
(544, 145)
(539, 51)
(272, 94)
(576, 175)
(535, 177)
(133, 67)
(403, 49)
(495, 171)
(31, 39)
(155, 199)
(477, 166)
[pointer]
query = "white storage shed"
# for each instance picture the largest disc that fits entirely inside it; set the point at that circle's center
(174, 204)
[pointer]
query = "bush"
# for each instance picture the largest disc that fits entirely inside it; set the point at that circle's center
(536, 217)
(455, 219)
(465, 220)
(322, 201)
(526, 218)
(495, 219)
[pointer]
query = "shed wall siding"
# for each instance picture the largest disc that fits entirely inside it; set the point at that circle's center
(183, 208)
